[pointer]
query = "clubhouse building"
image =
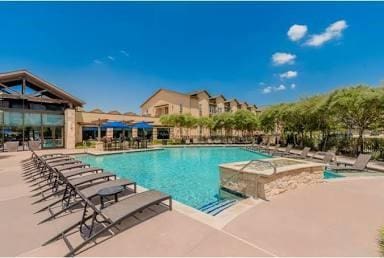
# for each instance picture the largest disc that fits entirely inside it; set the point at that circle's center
(34, 110)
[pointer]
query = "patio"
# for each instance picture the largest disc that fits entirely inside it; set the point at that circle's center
(338, 218)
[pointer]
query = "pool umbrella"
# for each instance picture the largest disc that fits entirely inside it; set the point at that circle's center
(142, 125)
(115, 124)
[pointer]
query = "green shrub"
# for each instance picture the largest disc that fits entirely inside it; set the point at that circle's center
(174, 141)
(85, 144)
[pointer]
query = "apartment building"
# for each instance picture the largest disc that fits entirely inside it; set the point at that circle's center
(198, 103)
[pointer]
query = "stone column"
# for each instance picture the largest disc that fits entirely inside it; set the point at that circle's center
(134, 132)
(69, 128)
(154, 133)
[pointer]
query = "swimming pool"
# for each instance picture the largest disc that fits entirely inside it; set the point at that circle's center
(190, 175)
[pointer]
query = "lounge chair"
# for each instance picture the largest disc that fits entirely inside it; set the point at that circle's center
(67, 174)
(59, 176)
(303, 155)
(64, 162)
(287, 151)
(78, 181)
(359, 165)
(271, 150)
(89, 193)
(111, 216)
(62, 167)
(57, 160)
(265, 147)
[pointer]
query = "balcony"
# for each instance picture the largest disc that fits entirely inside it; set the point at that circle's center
(161, 110)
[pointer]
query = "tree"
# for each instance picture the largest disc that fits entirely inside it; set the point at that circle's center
(224, 121)
(245, 121)
(359, 107)
(205, 122)
(189, 122)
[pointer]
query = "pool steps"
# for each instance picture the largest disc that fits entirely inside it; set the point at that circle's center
(216, 207)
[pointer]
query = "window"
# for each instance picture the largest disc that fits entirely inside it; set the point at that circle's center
(4, 103)
(36, 106)
(51, 119)
(181, 108)
(163, 133)
(32, 119)
(13, 118)
(89, 133)
(200, 110)
(212, 109)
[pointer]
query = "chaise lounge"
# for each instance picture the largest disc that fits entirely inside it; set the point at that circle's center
(359, 165)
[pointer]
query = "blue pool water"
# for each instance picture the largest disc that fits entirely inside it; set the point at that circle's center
(329, 174)
(190, 175)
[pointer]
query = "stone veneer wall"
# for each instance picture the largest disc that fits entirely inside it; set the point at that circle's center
(69, 128)
(264, 187)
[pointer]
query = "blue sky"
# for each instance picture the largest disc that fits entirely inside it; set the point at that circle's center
(114, 55)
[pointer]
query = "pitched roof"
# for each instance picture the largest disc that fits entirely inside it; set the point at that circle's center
(217, 96)
(130, 114)
(156, 92)
(199, 91)
(230, 100)
(96, 110)
(193, 93)
(114, 112)
(19, 74)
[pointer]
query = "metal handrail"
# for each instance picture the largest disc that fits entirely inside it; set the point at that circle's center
(249, 163)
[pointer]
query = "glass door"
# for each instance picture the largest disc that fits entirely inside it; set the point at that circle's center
(53, 137)
(53, 130)
(13, 129)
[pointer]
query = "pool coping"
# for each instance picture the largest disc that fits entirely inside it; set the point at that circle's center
(105, 153)
(220, 220)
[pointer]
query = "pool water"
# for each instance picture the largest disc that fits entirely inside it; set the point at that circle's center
(329, 174)
(189, 175)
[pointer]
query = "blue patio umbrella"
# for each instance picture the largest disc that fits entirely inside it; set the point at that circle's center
(142, 125)
(115, 124)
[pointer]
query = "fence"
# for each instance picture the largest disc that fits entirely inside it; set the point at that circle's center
(343, 143)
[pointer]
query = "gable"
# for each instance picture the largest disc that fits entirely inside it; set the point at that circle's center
(23, 84)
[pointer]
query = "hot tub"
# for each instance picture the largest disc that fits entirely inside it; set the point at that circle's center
(269, 177)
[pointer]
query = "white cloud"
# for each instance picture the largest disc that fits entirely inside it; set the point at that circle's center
(293, 86)
(261, 83)
(280, 87)
(297, 32)
(333, 31)
(288, 75)
(267, 90)
(111, 58)
(124, 53)
(270, 89)
(97, 61)
(280, 58)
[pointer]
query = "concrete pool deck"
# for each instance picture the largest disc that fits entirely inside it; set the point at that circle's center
(337, 218)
